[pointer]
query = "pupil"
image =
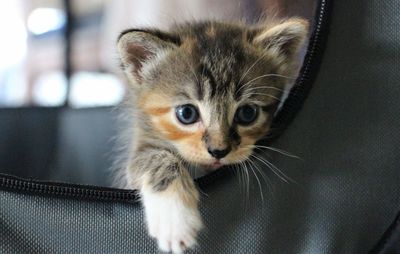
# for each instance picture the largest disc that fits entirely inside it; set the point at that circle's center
(187, 113)
(248, 113)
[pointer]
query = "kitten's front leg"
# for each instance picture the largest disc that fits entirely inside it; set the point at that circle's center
(170, 200)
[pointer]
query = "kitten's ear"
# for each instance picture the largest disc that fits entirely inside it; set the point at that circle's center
(284, 39)
(139, 48)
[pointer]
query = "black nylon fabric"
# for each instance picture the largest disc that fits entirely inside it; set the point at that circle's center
(28, 141)
(347, 133)
(346, 186)
(390, 241)
(44, 224)
(58, 144)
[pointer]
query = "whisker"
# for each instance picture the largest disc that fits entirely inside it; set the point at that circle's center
(251, 67)
(264, 94)
(274, 149)
(259, 183)
(265, 87)
(274, 169)
(277, 150)
(266, 178)
(237, 173)
(277, 173)
(246, 171)
(243, 186)
(263, 175)
(263, 76)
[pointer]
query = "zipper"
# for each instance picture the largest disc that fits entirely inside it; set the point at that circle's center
(298, 94)
(290, 107)
(8, 182)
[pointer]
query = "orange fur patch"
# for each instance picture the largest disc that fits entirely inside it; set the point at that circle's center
(157, 111)
(172, 132)
(195, 140)
(154, 103)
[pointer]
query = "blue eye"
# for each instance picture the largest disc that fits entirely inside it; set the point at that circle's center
(246, 114)
(187, 114)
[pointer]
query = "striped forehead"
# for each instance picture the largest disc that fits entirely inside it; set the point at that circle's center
(216, 113)
(220, 56)
(215, 84)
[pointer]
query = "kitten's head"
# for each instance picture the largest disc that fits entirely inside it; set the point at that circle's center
(210, 89)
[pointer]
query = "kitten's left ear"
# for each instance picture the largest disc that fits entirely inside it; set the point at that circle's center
(139, 48)
(283, 40)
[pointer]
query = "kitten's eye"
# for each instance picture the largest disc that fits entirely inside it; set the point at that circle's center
(246, 114)
(187, 114)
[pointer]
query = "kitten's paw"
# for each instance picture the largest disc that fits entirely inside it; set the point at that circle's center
(174, 224)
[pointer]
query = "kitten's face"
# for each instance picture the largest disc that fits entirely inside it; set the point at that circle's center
(211, 89)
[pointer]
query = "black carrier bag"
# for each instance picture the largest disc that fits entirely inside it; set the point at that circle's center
(347, 183)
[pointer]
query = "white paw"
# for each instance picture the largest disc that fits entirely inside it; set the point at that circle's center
(171, 222)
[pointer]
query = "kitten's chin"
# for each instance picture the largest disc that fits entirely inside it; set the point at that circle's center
(216, 165)
(212, 166)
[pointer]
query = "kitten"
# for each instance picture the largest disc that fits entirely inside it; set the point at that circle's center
(203, 94)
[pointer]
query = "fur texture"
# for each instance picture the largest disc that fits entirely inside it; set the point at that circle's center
(226, 73)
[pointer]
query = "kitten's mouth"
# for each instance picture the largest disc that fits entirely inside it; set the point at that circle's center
(213, 165)
(216, 165)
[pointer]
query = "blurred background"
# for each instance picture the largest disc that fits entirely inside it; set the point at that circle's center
(62, 52)
(60, 77)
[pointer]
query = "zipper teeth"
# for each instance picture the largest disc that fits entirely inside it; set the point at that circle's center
(88, 192)
(66, 191)
(294, 102)
(299, 92)
(315, 42)
(306, 72)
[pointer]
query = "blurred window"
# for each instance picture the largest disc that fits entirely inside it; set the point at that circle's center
(12, 51)
(34, 52)
(89, 89)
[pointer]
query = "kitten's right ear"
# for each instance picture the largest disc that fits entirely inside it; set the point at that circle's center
(140, 48)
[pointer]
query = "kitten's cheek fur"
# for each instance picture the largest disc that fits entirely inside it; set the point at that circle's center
(173, 223)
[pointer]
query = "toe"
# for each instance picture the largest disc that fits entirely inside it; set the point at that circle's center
(164, 245)
(178, 247)
(189, 242)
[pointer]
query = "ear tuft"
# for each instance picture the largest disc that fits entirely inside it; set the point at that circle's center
(138, 48)
(284, 39)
